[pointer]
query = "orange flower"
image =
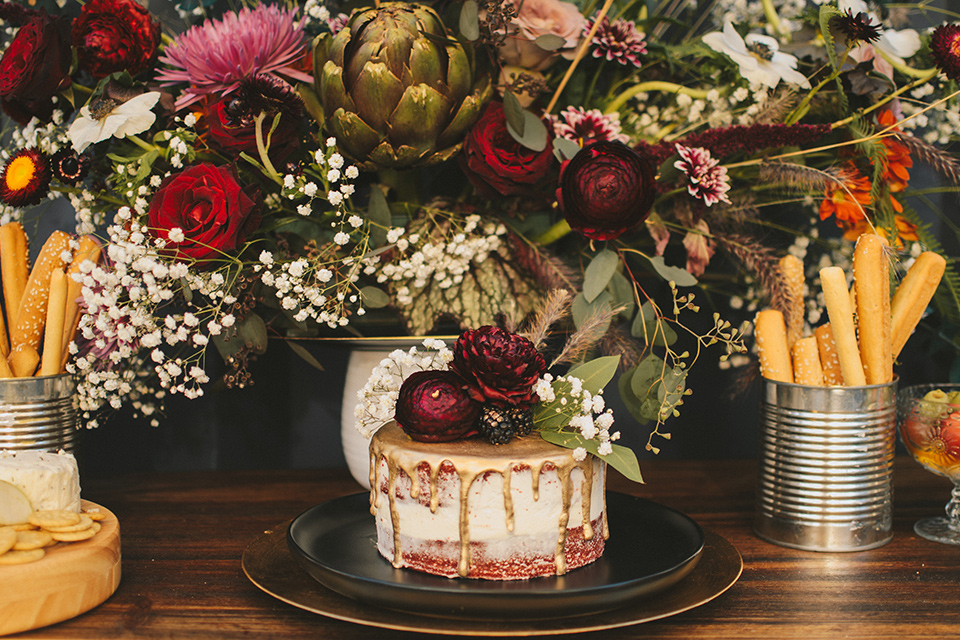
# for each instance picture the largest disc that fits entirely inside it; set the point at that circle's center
(896, 173)
(906, 231)
(847, 198)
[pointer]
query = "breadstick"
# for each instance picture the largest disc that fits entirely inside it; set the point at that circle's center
(837, 298)
(829, 360)
(14, 268)
(913, 295)
(791, 267)
(4, 339)
(871, 279)
(53, 332)
(23, 360)
(88, 249)
(806, 362)
(771, 333)
(5, 370)
(33, 306)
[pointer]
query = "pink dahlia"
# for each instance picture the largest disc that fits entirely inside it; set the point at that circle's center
(215, 56)
(706, 179)
(580, 125)
(618, 40)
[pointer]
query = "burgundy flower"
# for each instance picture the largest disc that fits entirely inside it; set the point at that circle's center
(586, 126)
(69, 167)
(605, 190)
(208, 207)
(857, 27)
(945, 47)
(493, 160)
(618, 40)
(499, 367)
(115, 35)
(35, 67)
(433, 406)
(706, 179)
(232, 119)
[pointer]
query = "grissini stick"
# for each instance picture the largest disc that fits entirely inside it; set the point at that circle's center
(23, 360)
(913, 295)
(14, 268)
(53, 331)
(806, 362)
(5, 370)
(829, 360)
(33, 307)
(791, 267)
(771, 335)
(871, 279)
(837, 299)
(4, 338)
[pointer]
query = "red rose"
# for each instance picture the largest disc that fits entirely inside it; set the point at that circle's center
(492, 159)
(34, 68)
(500, 367)
(433, 407)
(606, 189)
(208, 205)
(232, 134)
(115, 35)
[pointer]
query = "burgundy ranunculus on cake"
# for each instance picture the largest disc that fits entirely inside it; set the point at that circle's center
(468, 480)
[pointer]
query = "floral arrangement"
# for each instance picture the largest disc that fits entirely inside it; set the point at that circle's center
(284, 170)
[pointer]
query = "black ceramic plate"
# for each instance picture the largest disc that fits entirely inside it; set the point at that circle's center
(650, 549)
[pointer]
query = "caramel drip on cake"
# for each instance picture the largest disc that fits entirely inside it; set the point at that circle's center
(475, 459)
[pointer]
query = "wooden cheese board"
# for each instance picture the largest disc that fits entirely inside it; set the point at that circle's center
(70, 579)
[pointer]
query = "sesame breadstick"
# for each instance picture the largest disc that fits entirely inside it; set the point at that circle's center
(5, 370)
(871, 279)
(88, 249)
(33, 307)
(829, 360)
(791, 267)
(913, 295)
(14, 268)
(23, 360)
(837, 299)
(806, 362)
(771, 333)
(53, 332)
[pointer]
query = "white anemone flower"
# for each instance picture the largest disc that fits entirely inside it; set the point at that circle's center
(758, 56)
(129, 118)
(893, 45)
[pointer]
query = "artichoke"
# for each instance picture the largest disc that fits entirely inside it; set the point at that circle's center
(395, 88)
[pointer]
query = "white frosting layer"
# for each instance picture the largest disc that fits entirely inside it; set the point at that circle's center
(49, 480)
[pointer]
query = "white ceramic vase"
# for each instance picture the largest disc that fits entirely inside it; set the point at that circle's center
(355, 447)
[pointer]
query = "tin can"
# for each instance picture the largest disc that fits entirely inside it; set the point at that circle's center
(38, 413)
(825, 479)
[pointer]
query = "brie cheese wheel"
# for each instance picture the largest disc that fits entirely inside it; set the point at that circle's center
(49, 480)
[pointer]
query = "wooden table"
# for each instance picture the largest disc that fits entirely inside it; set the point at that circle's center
(183, 536)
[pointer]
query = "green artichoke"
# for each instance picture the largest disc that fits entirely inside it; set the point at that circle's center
(395, 88)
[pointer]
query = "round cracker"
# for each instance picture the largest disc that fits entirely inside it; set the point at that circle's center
(22, 557)
(27, 540)
(8, 538)
(85, 523)
(95, 514)
(54, 518)
(73, 536)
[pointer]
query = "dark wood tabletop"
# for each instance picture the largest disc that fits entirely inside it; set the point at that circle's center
(183, 536)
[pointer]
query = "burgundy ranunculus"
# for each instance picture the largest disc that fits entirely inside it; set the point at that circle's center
(492, 159)
(232, 119)
(35, 67)
(115, 35)
(207, 204)
(500, 367)
(434, 407)
(606, 189)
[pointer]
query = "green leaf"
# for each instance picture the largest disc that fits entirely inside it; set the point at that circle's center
(646, 382)
(581, 309)
(513, 112)
(668, 172)
(628, 397)
(533, 134)
(596, 373)
(681, 277)
(623, 459)
(598, 273)
(305, 355)
(378, 215)
(549, 42)
(564, 149)
(671, 390)
(621, 290)
(374, 297)
(470, 21)
(253, 331)
(651, 328)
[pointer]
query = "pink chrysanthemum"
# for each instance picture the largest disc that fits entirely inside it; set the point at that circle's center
(706, 179)
(618, 40)
(575, 123)
(215, 56)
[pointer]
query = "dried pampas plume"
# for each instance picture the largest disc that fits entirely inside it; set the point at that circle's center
(941, 161)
